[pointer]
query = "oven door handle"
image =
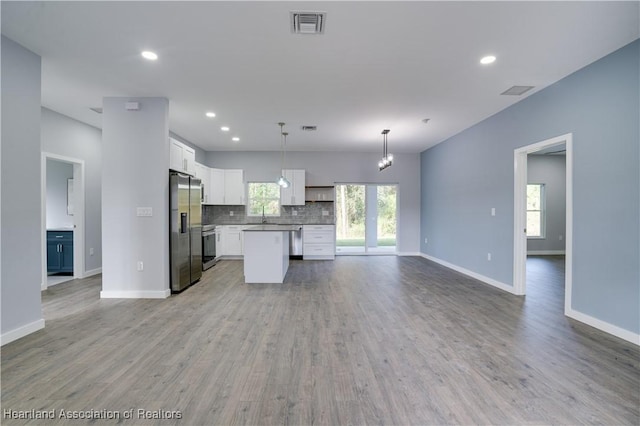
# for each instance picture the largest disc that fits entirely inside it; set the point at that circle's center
(208, 233)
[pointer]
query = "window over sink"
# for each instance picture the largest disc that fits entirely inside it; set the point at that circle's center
(263, 197)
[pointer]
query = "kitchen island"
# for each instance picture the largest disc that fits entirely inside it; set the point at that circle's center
(266, 253)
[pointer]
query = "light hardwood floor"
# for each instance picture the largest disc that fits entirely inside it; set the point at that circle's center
(360, 340)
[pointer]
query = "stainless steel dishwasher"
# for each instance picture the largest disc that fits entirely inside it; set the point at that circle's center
(295, 243)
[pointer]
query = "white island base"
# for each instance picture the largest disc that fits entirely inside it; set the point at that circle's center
(266, 254)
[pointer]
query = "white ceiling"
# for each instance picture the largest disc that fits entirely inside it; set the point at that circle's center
(378, 65)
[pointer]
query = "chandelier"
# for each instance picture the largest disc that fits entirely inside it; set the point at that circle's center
(387, 159)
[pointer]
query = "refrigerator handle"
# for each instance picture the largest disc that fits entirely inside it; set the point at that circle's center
(183, 223)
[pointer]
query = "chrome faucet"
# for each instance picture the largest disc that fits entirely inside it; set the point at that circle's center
(264, 219)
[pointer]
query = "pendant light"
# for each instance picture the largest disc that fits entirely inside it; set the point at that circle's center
(387, 159)
(282, 181)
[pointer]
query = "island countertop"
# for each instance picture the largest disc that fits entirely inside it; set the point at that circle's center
(273, 227)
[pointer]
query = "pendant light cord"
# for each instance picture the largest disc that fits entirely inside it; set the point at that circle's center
(283, 138)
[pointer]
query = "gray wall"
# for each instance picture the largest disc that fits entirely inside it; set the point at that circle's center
(20, 185)
(328, 168)
(551, 171)
(135, 160)
(68, 137)
(463, 177)
(57, 175)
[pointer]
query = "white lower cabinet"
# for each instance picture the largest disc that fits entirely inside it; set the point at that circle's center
(231, 240)
(318, 242)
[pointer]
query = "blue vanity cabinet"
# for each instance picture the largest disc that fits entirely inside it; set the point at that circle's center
(59, 251)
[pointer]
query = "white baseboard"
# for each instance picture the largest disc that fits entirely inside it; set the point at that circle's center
(614, 330)
(627, 335)
(487, 280)
(135, 294)
(92, 272)
(409, 253)
(19, 332)
(546, 252)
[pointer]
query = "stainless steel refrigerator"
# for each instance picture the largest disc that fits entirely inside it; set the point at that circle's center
(186, 230)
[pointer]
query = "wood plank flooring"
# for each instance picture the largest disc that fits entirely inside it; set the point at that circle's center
(360, 340)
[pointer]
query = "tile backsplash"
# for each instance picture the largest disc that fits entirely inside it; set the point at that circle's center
(310, 213)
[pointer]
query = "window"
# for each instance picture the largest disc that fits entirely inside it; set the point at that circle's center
(264, 195)
(535, 210)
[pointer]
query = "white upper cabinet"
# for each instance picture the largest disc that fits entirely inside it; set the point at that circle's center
(204, 174)
(175, 162)
(293, 195)
(227, 187)
(216, 186)
(234, 187)
(182, 158)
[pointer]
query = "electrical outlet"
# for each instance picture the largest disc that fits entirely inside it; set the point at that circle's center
(91, 251)
(560, 237)
(493, 211)
(325, 212)
(140, 265)
(426, 240)
(230, 213)
(294, 213)
(489, 257)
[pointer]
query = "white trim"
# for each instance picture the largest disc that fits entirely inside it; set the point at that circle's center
(568, 275)
(79, 219)
(22, 331)
(519, 221)
(627, 335)
(520, 213)
(409, 253)
(487, 280)
(92, 272)
(135, 294)
(546, 252)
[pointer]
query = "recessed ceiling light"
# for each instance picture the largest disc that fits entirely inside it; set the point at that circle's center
(210, 114)
(147, 54)
(488, 60)
(224, 128)
(235, 139)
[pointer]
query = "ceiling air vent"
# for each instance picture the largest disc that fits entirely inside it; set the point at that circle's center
(307, 22)
(309, 128)
(517, 90)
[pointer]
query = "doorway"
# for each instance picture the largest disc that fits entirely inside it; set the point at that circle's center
(366, 218)
(62, 200)
(529, 213)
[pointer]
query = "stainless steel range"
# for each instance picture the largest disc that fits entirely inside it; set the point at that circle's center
(209, 239)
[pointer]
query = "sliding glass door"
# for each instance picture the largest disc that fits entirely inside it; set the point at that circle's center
(366, 218)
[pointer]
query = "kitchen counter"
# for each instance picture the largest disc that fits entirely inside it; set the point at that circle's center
(274, 227)
(60, 229)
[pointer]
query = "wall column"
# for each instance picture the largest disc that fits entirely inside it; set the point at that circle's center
(135, 164)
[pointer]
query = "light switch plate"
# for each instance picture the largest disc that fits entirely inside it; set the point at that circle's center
(294, 213)
(325, 212)
(144, 211)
